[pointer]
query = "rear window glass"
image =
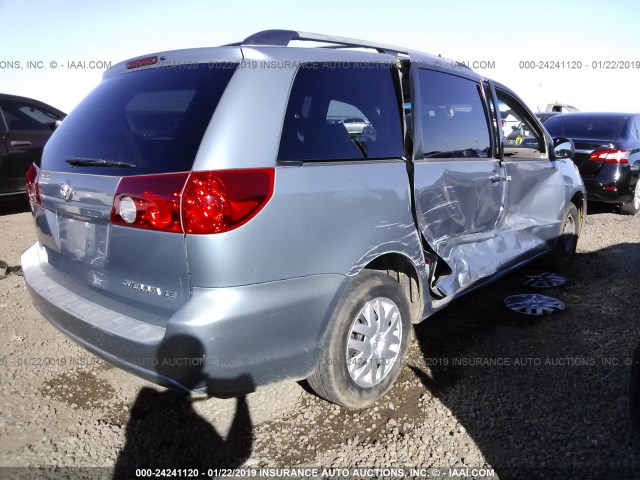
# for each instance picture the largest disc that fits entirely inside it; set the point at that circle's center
(153, 119)
(605, 127)
(342, 111)
(454, 122)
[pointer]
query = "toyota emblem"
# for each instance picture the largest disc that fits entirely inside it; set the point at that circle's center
(66, 191)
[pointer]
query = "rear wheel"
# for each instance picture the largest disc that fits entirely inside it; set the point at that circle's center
(365, 342)
(633, 207)
(565, 249)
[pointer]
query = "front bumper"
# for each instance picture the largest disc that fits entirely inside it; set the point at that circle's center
(223, 340)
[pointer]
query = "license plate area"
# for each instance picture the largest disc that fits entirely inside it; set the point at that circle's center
(83, 241)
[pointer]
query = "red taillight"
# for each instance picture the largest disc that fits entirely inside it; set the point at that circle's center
(142, 62)
(149, 201)
(195, 203)
(608, 155)
(32, 178)
(215, 202)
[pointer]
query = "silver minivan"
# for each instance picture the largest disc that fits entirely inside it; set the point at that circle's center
(206, 221)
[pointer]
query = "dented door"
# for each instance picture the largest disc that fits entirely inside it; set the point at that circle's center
(459, 183)
(536, 188)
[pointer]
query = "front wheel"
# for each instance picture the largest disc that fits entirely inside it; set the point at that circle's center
(365, 342)
(564, 251)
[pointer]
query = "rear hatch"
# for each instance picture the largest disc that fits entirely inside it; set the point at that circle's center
(143, 123)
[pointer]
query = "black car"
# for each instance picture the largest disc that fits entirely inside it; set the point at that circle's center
(607, 154)
(544, 116)
(25, 126)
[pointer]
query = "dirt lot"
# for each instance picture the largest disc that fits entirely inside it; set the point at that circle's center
(530, 398)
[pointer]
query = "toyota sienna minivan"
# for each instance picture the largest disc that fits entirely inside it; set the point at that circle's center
(206, 221)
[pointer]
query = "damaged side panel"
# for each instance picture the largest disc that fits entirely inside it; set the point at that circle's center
(479, 211)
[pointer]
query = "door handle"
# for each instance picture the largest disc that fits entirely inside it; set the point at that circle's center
(499, 178)
(20, 143)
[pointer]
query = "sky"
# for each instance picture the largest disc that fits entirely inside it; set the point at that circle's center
(57, 51)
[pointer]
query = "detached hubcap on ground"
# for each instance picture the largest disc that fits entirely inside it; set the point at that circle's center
(533, 304)
(373, 342)
(543, 280)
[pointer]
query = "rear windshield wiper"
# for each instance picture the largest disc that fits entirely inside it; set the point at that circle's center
(97, 162)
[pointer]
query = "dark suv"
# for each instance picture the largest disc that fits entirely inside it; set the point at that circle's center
(25, 126)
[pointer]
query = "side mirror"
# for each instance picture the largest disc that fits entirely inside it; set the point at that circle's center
(563, 148)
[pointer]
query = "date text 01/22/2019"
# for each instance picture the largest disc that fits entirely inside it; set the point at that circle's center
(579, 65)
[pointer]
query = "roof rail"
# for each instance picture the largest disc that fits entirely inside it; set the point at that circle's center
(281, 38)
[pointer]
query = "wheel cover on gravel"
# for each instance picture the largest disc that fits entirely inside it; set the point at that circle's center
(543, 280)
(373, 342)
(533, 304)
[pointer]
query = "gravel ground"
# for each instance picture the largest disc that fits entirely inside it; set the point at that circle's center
(482, 388)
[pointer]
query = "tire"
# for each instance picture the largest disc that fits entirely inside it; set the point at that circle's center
(633, 207)
(356, 378)
(564, 250)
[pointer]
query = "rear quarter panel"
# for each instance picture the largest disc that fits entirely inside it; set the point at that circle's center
(324, 218)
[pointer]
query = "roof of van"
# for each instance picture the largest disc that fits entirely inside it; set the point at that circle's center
(276, 45)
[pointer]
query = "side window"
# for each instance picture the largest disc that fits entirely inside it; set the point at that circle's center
(454, 122)
(346, 111)
(521, 136)
(24, 116)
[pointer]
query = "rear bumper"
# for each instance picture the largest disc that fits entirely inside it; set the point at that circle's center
(621, 177)
(223, 340)
(596, 190)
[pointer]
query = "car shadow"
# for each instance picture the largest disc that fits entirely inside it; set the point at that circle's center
(164, 430)
(596, 208)
(13, 205)
(544, 397)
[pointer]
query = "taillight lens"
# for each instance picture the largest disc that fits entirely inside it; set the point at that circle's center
(215, 202)
(194, 203)
(149, 201)
(32, 179)
(610, 156)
